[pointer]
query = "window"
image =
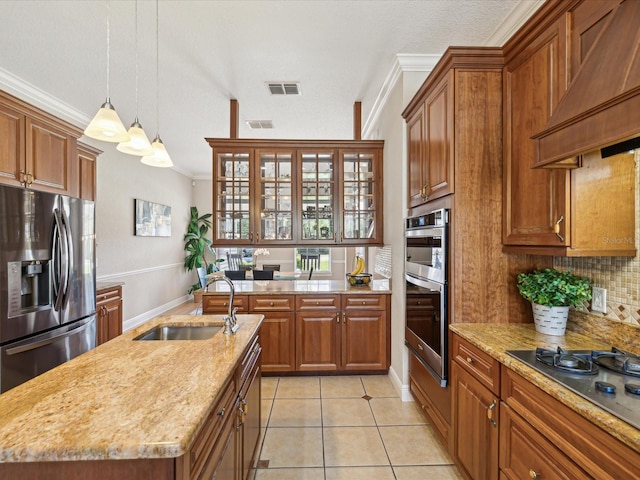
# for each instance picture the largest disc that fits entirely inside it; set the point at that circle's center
(317, 258)
(237, 256)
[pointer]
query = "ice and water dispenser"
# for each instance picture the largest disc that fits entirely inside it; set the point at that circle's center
(28, 286)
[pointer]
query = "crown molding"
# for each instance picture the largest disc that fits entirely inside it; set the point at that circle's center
(518, 16)
(404, 63)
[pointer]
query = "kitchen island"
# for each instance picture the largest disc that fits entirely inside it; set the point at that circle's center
(528, 422)
(127, 409)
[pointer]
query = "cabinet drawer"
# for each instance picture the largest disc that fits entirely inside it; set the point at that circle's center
(358, 302)
(271, 303)
(481, 365)
(317, 302)
(209, 435)
(524, 453)
(249, 361)
(108, 295)
(422, 302)
(220, 303)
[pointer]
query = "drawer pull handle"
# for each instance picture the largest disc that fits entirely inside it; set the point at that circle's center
(556, 228)
(221, 412)
(418, 302)
(337, 317)
(364, 302)
(271, 304)
(490, 414)
(533, 474)
(317, 303)
(469, 360)
(420, 347)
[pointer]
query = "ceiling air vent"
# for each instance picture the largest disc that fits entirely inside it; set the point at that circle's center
(259, 124)
(284, 88)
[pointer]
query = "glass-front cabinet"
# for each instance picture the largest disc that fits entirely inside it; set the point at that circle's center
(307, 192)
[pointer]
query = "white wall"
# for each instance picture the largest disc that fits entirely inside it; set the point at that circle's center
(150, 267)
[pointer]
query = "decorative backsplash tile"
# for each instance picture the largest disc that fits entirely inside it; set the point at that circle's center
(619, 275)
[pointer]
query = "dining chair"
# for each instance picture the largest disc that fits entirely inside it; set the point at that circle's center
(236, 274)
(234, 260)
(309, 261)
(271, 267)
(263, 274)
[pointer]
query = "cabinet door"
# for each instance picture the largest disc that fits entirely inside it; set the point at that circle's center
(12, 155)
(361, 197)
(49, 153)
(317, 174)
(364, 340)
(277, 336)
(318, 341)
(87, 172)
(475, 414)
(232, 197)
(250, 429)
(439, 139)
(276, 198)
(535, 81)
(416, 174)
(109, 312)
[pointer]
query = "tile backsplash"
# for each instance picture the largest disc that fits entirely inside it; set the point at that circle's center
(619, 275)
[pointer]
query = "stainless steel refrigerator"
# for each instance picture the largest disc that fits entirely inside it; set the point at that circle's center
(47, 282)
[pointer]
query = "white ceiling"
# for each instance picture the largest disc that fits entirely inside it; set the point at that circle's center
(211, 51)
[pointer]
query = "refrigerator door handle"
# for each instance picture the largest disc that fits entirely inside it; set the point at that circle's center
(68, 256)
(47, 341)
(56, 256)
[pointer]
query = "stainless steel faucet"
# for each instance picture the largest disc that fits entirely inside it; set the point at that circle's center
(230, 321)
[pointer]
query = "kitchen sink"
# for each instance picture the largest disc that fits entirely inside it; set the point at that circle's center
(180, 332)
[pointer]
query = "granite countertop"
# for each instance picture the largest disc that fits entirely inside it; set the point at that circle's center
(292, 287)
(125, 399)
(496, 339)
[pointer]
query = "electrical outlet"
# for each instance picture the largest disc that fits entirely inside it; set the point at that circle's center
(599, 300)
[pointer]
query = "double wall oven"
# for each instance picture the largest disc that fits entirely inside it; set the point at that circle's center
(426, 331)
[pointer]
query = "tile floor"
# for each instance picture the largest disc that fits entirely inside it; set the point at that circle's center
(345, 428)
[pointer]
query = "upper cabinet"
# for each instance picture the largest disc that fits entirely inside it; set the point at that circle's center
(559, 211)
(297, 192)
(430, 142)
(38, 150)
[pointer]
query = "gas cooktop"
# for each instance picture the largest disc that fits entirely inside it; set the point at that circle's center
(609, 379)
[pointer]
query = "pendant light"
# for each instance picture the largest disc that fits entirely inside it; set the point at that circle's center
(160, 156)
(106, 124)
(139, 143)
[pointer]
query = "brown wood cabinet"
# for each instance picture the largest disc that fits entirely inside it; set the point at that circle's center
(475, 383)
(297, 192)
(219, 304)
(277, 333)
(37, 150)
(536, 435)
(87, 167)
(541, 59)
(109, 312)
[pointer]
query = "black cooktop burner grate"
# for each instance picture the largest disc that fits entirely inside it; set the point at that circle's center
(618, 361)
(570, 362)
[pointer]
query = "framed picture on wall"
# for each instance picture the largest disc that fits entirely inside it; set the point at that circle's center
(152, 219)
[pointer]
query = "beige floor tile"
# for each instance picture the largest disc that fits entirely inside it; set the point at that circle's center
(265, 411)
(346, 412)
(353, 446)
(414, 445)
(298, 387)
(393, 411)
(269, 385)
(359, 473)
(430, 472)
(293, 447)
(379, 386)
(296, 412)
(290, 474)
(341, 387)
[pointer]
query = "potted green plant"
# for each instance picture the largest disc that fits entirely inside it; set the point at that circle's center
(551, 293)
(197, 244)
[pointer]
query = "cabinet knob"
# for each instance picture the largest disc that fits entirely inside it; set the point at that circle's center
(533, 474)
(418, 302)
(225, 304)
(364, 302)
(317, 303)
(271, 304)
(469, 360)
(221, 412)
(420, 347)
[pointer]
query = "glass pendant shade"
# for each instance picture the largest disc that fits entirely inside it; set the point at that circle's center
(106, 125)
(160, 156)
(138, 143)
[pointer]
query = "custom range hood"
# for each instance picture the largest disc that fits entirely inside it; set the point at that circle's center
(602, 104)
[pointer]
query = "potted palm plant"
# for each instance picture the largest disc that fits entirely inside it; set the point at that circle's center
(551, 293)
(196, 245)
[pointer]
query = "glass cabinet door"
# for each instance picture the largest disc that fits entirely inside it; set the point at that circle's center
(317, 193)
(276, 205)
(232, 196)
(358, 196)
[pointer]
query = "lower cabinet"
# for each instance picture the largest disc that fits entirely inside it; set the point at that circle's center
(109, 313)
(318, 333)
(505, 427)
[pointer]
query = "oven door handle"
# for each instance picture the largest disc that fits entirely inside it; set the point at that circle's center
(421, 282)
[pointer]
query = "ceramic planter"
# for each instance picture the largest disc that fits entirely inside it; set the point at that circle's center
(550, 320)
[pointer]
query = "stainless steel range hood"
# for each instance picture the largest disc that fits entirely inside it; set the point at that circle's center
(602, 104)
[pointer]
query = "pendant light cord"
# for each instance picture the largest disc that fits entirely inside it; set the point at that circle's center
(157, 72)
(108, 50)
(136, 45)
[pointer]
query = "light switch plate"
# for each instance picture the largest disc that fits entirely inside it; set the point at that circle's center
(599, 300)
